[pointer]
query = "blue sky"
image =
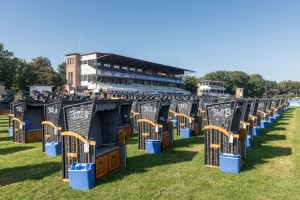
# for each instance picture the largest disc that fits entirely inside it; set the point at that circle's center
(255, 36)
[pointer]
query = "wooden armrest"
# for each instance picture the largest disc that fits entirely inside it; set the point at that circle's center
(72, 155)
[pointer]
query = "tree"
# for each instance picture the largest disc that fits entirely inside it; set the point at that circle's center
(4, 54)
(271, 88)
(190, 84)
(257, 85)
(62, 71)
(42, 72)
(239, 80)
(22, 76)
(223, 76)
(8, 67)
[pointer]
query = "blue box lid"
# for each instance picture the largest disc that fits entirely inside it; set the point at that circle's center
(230, 155)
(152, 140)
(81, 166)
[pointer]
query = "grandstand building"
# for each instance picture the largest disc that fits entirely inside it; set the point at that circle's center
(107, 72)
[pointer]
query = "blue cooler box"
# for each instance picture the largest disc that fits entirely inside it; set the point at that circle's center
(185, 132)
(10, 131)
(53, 148)
(271, 120)
(82, 176)
(153, 146)
(264, 124)
(230, 163)
(256, 130)
(249, 141)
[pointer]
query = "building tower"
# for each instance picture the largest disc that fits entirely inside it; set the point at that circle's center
(72, 71)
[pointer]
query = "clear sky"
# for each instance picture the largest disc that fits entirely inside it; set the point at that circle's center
(254, 36)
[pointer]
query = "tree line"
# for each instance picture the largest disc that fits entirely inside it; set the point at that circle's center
(17, 74)
(254, 84)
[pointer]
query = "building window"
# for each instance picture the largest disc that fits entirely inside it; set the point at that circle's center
(92, 62)
(106, 65)
(70, 61)
(132, 69)
(90, 77)
(124, 67)
(116, 66)
(70, 78)
(139, 70)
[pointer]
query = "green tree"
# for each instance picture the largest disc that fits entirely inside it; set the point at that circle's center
(239, 80)
(256, 85)
(190, 84)
(42, 72)
(22, 76)
(62, 71)
(8, 67)
(271, 88)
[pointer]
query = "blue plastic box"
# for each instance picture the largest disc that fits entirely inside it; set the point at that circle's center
(277, 116)
(153, 146)
(11, 131)
(256, 130)
(271, 120)
(230, 163)
(174, 121)
(82, 176)
(185, 132)
(249, 141)
(264, 124)
(53, 148)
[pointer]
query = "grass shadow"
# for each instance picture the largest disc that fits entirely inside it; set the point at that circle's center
(265, 137)
(28, 172)
(4, 131)
(186, 142)
(132, 140)
(11, 150)
(8, 138)
(142, 163)
(282, 123)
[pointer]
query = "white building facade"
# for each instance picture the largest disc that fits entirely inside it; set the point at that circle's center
(212, 88)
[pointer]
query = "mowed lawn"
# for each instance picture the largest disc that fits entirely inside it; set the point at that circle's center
(272, 170)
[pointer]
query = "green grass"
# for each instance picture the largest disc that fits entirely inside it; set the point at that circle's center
(272, 170)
